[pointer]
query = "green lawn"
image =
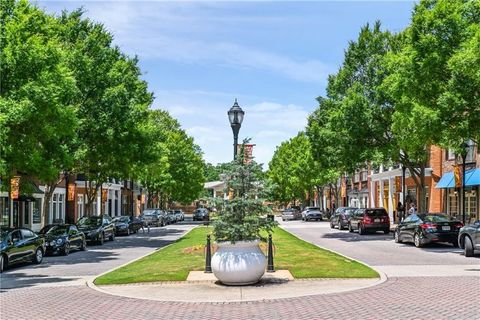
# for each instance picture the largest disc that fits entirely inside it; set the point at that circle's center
(173, 263)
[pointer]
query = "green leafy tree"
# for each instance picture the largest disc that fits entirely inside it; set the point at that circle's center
(112, 104)
(37, 96)
(243, 217)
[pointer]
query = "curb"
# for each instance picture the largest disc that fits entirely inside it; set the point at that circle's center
(90, 282)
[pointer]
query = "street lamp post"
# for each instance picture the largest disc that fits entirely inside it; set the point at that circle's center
(403, 191)
(465, 148)
(346, 190)
(235, 116)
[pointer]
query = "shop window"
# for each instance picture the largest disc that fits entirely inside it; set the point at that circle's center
(450, 154)
(26, 213)
(453, 203)
(80, 205)
(61, 206)
(4, 212)
(471, 151)
(37, 207)
(54, 206)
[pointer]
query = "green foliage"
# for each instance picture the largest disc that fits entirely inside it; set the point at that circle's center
(243, 217)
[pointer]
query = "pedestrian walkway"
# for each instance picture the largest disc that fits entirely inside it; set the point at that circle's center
(269, 288)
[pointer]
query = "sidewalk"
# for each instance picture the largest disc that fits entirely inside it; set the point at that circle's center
(269, 288)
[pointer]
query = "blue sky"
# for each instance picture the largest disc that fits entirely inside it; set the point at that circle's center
(273, 56)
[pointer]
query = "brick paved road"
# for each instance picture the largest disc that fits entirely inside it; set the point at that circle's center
(399, 298)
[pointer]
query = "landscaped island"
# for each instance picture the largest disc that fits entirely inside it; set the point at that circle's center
(173, 263)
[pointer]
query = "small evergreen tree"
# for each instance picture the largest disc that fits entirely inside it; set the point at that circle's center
(243, 216)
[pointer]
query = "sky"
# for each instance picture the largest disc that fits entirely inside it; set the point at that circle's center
(273, 56)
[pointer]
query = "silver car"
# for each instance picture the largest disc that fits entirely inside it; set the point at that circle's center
(151, 217)
(469, 238)
(291, 214)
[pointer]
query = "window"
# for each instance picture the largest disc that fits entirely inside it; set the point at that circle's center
(4, 211)
(27, 234)
(54, 205)
(80, 205)
(453, 203)
(37, 207)
(16, 236)
(61, 206)
(450, 154)
(471, 151)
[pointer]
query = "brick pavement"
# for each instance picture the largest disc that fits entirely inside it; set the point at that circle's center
(433, 298)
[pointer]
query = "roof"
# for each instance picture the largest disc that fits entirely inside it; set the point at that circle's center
(213, 184)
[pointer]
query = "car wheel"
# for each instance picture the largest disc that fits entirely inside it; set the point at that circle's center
(128, 231)
(397, 237)
(112, 237)
(386, 231)
(83, 247)
(66, 249)
(339, 226)
(350, 229)
(361, 231)
(331, 225)
(468, 247)
(3, 263)
(283, 219)
(417, 240)
(101, 239)
(38, 257)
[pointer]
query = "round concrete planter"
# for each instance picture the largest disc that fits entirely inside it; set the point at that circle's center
(239, 264)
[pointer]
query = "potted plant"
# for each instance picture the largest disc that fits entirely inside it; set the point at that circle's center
(238, 225)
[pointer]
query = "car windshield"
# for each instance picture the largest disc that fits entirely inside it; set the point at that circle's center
(435, 218)
(148, 212)
(90, 221)
(57, 231)
(45, 229)
(376, 212)
(121, 219)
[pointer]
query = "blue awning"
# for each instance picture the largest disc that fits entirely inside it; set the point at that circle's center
(472, 177)
(447, 181)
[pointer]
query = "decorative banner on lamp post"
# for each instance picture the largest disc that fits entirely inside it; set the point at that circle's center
(343, 189)
(15, 187)
(457, 175)
(143, 199)
(104, 195)
(398, 184)
(71, 192)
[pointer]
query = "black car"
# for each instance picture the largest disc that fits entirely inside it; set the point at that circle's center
(340, 217)
(20, 245)
(62, 238)
(127, 225)
(201, 215)
(469, 238)
(97, 228)
(371, 219)
(425, 228)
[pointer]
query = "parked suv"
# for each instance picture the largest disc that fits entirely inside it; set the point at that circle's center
(366, 220)
(153, 217)
(469, 238)
(340, 217)
(312, 213)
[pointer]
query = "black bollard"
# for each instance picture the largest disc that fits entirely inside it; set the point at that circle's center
(208, 257)
(270, 267)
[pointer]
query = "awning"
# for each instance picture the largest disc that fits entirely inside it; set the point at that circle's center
(447, 181)
(472, 177)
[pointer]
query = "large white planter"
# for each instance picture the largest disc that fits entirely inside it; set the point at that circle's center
(239, 264)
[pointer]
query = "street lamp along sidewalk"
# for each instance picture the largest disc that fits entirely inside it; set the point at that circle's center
(235, 116)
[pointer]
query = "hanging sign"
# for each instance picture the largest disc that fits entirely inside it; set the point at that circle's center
(104, 195)
(71, 192)
(15, 187)
(458, 178)
(398, 184)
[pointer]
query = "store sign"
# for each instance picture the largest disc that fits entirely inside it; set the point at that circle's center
(71, 192)
(15, 187)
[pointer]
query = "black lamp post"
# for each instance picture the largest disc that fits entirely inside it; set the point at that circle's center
(347, 180)
(465, 148)
(235, 116)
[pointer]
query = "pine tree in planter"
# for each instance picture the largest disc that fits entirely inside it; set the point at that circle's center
(237, 226)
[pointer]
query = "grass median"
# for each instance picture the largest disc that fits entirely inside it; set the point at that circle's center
(173, 263)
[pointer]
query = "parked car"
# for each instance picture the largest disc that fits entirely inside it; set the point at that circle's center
(20, 245)
(154, 217)
(62, 238)
(171, 216)
(97, 228)
(469, 238)
(369, 220)
(201, 214)
(291, 214)
(312, 213)
(340, 217)
(425, 228)
(180, 215)
(127, 225)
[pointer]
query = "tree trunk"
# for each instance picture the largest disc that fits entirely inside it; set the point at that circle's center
(48, 193)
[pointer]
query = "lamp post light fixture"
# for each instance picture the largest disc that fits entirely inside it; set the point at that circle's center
(235, 116)
(465, 148)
